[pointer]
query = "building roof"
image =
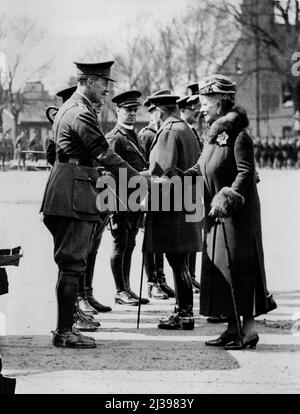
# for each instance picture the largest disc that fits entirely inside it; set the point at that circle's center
(34, 112)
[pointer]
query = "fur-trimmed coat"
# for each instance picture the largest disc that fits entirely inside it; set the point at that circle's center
(228, 170)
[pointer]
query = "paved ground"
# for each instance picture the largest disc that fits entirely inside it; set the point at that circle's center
(147, 360)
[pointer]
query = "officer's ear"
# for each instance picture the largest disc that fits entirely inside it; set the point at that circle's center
(89, 82)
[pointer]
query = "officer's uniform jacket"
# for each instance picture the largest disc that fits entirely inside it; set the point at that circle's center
(174, 147)
(71, 188)
(147, 135)
(125, 142)
(199, 141)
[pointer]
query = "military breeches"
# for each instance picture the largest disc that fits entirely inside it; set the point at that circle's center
(72, 241)
(182, 281)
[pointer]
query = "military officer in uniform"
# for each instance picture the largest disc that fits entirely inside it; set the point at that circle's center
(189, 111)
(168, 231)
(154, 262)
(125, 225)
(69, 202)
(82, 321)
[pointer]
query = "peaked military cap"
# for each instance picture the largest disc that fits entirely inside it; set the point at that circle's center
(128, 98)
(66, 93)
(187, 101)
(147, 102)
(217, 84)
(193, 89)
(163, 100)
(182, 102)
(101, 69)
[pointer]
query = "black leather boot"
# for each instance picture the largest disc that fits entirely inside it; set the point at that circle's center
(144, 301)
(123, 298)
(72, 339)
(89, 274)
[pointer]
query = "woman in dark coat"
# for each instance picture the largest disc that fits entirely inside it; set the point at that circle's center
(228, 170)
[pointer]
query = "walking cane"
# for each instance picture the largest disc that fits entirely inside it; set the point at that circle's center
(142, 274)
(229, 265)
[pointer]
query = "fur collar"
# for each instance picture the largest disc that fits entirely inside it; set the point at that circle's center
(232, 124)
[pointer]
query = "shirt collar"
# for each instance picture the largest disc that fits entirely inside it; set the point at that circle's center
(130, 127)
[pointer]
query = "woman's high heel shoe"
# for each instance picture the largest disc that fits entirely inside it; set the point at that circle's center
(222, 340)
(250, 342)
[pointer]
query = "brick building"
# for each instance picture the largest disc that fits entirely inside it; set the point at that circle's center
(262, 91)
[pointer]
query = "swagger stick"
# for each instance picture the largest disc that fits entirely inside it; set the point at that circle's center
(229, 264)
(140, 293)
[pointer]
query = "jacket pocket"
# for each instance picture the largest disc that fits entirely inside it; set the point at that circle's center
(85, 191)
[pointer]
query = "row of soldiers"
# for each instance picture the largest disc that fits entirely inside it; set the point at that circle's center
(277, 152)
(21, 151)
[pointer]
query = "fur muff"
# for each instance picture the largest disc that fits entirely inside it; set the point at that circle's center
(226, 202)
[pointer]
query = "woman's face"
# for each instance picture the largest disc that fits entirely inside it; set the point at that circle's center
(211, 108)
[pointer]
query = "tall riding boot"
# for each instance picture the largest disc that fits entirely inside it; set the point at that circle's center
(132, 232)
(144, 301)
(89, 274)
(161, 278)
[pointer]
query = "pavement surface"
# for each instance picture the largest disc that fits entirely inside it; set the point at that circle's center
(147, 360)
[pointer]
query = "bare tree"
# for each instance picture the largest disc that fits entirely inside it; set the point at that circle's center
(18, 40)
(274, 28)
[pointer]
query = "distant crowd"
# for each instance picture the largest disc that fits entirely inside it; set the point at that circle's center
(275, 152)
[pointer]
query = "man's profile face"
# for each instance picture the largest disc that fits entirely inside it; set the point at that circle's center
(191, 114)
(127, 115)
(99, 89)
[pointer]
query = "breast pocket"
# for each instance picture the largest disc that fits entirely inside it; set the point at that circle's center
(85, 191)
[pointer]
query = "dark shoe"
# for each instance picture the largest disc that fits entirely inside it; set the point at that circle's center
(85, 306)
(82, 324)
(187, 322)
(155, 292)
(170, 322)
(167, 289)
(97, 305)
(222, 340)
(144, 301)
(72, 339)
(123, 298)
(217, 319)
(174, 321)
(250, 342)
